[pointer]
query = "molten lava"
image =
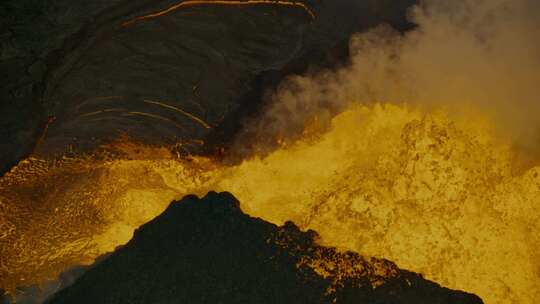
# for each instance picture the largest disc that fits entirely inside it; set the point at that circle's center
(191, 3)
(438, 195)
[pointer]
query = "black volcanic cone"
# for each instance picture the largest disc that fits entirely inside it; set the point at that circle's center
(208, 251)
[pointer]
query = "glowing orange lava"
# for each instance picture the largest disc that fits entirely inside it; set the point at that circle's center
(438, 196)
(190, 3)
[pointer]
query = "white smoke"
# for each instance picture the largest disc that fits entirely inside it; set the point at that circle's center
(464, 56)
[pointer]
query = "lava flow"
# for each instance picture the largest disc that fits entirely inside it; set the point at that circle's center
(438, 196)
(191, 3)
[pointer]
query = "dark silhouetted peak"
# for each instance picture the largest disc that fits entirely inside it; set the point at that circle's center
(208, 251)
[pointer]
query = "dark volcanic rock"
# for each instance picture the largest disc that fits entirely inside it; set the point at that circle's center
(208, 251)
(74, 62)
(175, 78)
(34, 35)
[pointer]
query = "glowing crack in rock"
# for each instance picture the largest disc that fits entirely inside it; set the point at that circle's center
(196, 119)
(191, 3)
(439, 196)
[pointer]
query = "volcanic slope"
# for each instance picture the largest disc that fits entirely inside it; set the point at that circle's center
(82, 78)
(207, 251)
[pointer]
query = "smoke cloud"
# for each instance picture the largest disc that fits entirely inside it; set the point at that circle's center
(466, 56)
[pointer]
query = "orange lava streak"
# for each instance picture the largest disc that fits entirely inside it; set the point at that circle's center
(220, 2)
(50, 120)
(193, 117)
(155, 116)
(102, 111)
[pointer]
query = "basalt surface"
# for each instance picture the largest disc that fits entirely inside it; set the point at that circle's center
(76, 75)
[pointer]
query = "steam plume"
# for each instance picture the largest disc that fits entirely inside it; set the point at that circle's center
(464, 56)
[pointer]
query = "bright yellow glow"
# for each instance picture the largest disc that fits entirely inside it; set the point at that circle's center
(438, 196)
(434, 195)
(190, 3)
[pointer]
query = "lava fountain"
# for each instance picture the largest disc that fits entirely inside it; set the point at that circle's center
(429, 184)
(438, 196)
